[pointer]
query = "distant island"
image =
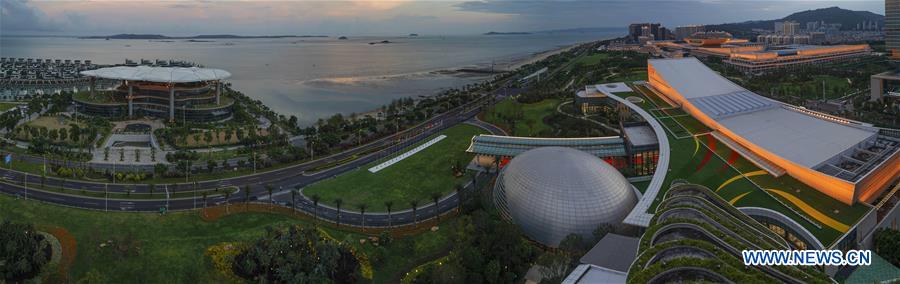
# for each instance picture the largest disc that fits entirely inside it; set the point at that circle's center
(381, 42)
(413, 35)
(506, 33)
(342, 37)
(157, 36)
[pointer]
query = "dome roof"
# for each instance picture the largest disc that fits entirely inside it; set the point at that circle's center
(551, 192)
(159, 74)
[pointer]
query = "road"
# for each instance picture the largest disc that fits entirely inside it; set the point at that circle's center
(282, 180)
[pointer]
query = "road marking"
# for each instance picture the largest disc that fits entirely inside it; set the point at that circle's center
(737, 177)
(812, 212)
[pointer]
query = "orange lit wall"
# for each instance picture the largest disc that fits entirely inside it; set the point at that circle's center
(837, 188)
(832, 49)
(755, 56)
(871, 186)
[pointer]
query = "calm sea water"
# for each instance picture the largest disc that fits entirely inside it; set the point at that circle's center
(316, 77)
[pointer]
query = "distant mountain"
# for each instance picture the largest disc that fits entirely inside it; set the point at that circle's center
(506, 33)
(833, 15)
(156, 36)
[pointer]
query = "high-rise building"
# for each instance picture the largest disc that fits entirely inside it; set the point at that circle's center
(650, 30)
(686, 31)
(790, 28)
(892, 28)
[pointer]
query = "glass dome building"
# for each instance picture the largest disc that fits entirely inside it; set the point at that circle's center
(551, 192)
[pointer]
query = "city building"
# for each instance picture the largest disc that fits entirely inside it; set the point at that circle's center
(171, 93)
(650, 30)
(847, 160)
(552, 192)
(787, 28)
(683, 32)
(762, 60)
(884, 85)
(696, 226)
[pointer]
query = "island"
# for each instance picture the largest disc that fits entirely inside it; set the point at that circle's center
(506, 33)
(158, 36)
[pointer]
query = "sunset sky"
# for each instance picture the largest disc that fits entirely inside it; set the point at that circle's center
(367, 17)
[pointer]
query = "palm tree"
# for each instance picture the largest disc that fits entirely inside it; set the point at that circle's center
(338, 202)
(414, 204)
(315, 199)
(436, 197)
(269, 189)
(227, 196)
(294, 198)
(388, 204)
(459, 197)
(205, 193)
(150, 188)
(246, 195)
(362, 212)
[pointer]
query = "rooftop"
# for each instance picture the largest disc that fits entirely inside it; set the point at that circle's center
(804, 137)
(159, 74)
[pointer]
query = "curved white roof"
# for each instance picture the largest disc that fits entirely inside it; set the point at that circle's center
(551, 192)
(159, 74)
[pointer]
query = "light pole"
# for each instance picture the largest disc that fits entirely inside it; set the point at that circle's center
(105, 197)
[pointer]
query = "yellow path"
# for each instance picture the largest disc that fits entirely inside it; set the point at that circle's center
(696, 146)
(812, 212)
(736, 198)
(737, 177)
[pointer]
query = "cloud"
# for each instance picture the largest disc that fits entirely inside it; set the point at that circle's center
(18, 15)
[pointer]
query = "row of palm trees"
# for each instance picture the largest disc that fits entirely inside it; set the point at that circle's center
(362, 207)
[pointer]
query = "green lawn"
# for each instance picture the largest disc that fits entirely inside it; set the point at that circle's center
(170, 248)
(528, 119)
(7, 106)
(835, 87)
(413, 178)
(589, 60)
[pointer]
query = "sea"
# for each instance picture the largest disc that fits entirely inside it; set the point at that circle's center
(315, 78)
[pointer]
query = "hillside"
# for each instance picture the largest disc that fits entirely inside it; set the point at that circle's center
(847, 18)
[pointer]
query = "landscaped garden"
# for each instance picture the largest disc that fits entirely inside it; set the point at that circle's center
(522, 119)
(170, 248)
(416, 178)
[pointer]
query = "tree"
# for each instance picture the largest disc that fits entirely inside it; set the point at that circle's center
(150, 188)
(315, 199)
(459, 197)
(338, 203)
(227, 197)
(160, 169)
(388, 204)
(211, 165)
(246, 195)
(269, 189)
(294, 198)
(24, 252)
(362, 212)
(435, 197)
(298, 254)
(554, 266)
(205, 194)
(414, 204)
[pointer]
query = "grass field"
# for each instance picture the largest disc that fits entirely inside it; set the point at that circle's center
(589, 60)
(413, 178)
(530, 124)
(835, 87)
(7, 106)
(170, 248)
(52, 122)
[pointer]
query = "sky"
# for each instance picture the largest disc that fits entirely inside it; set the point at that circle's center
(379, 17)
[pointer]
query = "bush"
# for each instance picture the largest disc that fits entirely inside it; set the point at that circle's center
(23, 252)
(298, 254)
(887, 245)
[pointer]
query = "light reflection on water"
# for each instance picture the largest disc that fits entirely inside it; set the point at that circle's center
(316, 77)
